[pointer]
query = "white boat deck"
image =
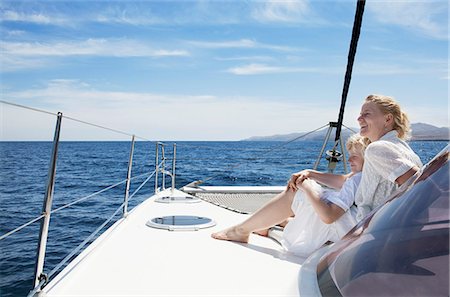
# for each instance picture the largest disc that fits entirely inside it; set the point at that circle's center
(132, 259)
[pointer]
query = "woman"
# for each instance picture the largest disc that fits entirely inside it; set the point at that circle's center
(389, 163)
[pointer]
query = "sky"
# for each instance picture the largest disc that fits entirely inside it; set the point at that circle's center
(214, 70)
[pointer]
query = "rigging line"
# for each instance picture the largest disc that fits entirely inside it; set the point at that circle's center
(21, 227)
(351, 58)
(142, 184)
(350, 129)
(70, 204)
(198, 182)
(74, 119)
(29, 108)
(105, 128)
(101, 191)
(88, 196)
(69, 256)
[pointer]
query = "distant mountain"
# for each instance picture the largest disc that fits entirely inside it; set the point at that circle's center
(420, 131)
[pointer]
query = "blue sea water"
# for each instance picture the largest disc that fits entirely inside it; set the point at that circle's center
(86, 167)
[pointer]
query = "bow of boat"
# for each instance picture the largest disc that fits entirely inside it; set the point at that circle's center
(131, 258)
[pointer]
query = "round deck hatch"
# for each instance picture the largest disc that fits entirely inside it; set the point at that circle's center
(186, 223)
(179, 199)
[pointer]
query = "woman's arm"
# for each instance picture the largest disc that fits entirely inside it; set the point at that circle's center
(334, 181)
(327, 212)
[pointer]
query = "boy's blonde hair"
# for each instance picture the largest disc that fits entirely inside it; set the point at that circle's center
(357, 142)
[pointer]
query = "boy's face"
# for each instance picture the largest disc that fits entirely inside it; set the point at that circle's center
(356, 160)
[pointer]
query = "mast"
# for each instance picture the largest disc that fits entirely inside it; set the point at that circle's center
(351, 58)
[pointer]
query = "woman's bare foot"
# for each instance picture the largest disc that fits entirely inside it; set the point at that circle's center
(232, 234)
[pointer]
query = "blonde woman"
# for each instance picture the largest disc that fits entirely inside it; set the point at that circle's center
(389, 163)
(389, 160)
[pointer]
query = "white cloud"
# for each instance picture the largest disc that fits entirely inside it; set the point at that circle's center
(164, 116)
(37, 18)
(173, 116)
(255, 69)
(30, 55)
(95, 47)
(427, 17)
(242, 43)
(246, 58)
(384, 69)
(281, 11)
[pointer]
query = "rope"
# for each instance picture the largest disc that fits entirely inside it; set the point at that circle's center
(69, 256)
(142, 184)
(21, 227)
(73, 119)
(77, 201)
(88, 196)
(351, 58)
(198, 182)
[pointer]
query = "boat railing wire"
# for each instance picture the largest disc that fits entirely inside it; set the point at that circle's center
(263, 153)
(147, 175)
(9, 233)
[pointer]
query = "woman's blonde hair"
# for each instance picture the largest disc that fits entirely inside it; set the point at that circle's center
(357, 142)
(388, 105)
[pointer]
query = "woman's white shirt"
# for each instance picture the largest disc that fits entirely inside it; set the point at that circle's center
(384, 161)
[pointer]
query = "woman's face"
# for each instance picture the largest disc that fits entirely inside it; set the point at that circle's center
(372, 122)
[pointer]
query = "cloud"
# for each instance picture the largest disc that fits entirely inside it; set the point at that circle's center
(163, 116)
(8, 15)
(426, 17)
(282, 11)
(255, 69)
(383, 69)
(30, 55)
(246, 58)
(241, 43)
(93, 47)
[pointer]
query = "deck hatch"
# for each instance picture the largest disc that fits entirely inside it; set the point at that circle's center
(181, 223)
(178, 199)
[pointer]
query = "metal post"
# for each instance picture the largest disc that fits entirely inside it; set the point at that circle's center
(173, 165)
(156, 167)
(47, 207)
(343, 154)
(127, 189)
(163, 165)
(330, 128)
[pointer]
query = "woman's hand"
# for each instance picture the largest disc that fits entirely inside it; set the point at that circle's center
(297, 178)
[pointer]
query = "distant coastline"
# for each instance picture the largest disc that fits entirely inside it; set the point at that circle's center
(420, 131)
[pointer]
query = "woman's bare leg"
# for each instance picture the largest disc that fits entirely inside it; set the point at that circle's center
(265, 232)
(274, 212)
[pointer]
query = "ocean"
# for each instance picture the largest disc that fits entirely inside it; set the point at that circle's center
(87, 167)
